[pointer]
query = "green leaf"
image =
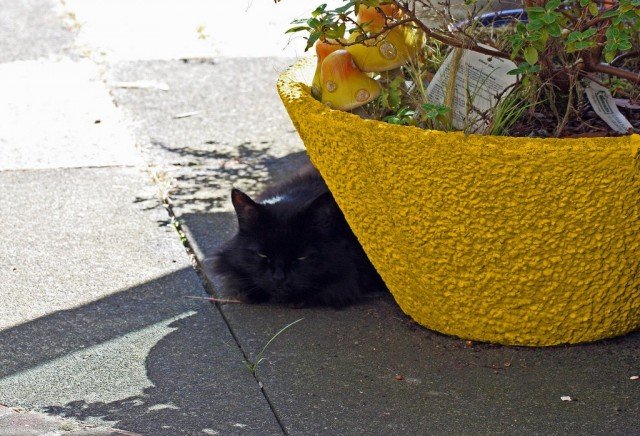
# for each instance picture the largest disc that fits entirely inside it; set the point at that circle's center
(584, 3)
(524, 68)
(554, 30)
(574, 36)
(611, 46)
(610, 13)
(336, 32)
(297, 29)
(625, 45)
(531, 55)
(433, 111)
(581, 45)
(612, 33)
(624, 18)
(516, 39)
(535, 10)
(534, 25)
(552, 4)
(535, 36)
(319, 10)
(551, 17)
(609, 56)
(593, 9)
(313, 37)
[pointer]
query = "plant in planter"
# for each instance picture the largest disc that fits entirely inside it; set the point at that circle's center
(560, 48)
(510, 239)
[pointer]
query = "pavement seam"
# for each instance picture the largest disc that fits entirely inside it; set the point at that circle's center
(210, 289)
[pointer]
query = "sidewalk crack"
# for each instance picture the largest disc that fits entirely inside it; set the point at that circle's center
(210, 289)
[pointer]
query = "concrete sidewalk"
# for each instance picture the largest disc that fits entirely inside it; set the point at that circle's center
(97, 321)
(97, 330)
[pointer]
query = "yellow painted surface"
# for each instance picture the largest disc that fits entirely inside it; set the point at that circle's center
(509, 240)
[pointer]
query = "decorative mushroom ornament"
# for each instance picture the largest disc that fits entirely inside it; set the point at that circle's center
(323, 49)
(373, 20)
(389, 50)
(344, 86)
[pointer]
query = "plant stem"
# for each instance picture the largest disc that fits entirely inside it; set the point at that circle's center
(467, 44)
(613, 71)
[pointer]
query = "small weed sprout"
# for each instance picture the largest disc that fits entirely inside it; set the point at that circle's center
(435, 116)
(253, 366)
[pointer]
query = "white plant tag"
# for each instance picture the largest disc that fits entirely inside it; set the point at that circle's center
(479, 80)
(605, 106)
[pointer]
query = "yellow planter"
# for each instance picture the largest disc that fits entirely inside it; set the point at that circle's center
(510, 240)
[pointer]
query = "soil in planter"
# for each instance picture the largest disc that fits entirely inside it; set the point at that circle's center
(541, 121)
(588, 124)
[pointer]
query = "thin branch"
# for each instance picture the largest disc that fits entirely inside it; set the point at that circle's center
(468, 44)
(597, 80)
(613, 71)
(595, 20)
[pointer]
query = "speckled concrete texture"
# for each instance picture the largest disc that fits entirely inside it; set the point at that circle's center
(510, 240)
(33, 29)
(26, 423)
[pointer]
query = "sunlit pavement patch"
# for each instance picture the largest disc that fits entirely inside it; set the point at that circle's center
(172, 29)
(90, 374)
(59, 114)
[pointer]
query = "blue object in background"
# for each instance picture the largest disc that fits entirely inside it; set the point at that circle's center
(502, 18)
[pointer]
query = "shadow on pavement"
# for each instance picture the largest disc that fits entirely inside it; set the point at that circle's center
(196, 379)
(193, 392)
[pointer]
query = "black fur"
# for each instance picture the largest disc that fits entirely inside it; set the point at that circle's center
(297, 250)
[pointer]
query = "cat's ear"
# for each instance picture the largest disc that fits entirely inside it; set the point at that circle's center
(247, 210)
(322, 211)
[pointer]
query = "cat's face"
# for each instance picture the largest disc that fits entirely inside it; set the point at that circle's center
(285, 248)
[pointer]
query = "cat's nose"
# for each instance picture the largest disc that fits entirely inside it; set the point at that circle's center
(278, 275)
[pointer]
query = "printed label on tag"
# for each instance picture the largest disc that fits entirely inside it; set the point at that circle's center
(480, 78)
(605, 106)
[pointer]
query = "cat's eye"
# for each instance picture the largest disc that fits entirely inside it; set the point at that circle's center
(302, 257)
(262, 255)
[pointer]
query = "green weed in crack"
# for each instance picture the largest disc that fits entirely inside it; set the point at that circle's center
(178, 228)
(253, 365)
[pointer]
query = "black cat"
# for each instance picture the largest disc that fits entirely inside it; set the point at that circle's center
(294, 246)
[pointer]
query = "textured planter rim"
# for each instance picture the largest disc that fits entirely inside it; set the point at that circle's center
(518, 241)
